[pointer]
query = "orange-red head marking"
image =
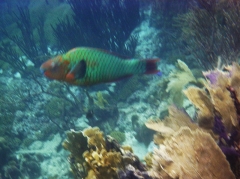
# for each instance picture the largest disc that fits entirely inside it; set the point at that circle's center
(55, 68)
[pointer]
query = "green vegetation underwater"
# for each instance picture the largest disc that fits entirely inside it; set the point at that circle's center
(83, 94)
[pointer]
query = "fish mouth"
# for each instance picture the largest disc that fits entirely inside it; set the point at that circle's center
(42, 70)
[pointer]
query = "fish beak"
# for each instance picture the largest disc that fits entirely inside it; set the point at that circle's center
(42, 70)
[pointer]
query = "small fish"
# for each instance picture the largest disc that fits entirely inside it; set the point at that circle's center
(89, 66)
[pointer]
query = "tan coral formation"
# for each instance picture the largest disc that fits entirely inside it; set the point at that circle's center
(171, 123)
(190, 154)
(235, 79)
(218, 99)
(222, 101)
(92, 158)
(95, 137)
(203, 103)
(103, 163)
(177, 80)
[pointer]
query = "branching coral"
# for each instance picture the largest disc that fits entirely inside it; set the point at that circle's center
(94, 156)
(103, 163)
(218, 36)
(95, 138)
(190, 154)
(162, 17)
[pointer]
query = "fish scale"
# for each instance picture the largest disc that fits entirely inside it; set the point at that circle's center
(89, 66)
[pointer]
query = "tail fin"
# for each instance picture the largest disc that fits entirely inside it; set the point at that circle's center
(151, 66)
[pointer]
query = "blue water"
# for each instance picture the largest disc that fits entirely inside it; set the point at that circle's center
(36, 112)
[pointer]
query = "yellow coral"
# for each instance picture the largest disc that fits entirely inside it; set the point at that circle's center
(190, 154)
(103, 163)
(90, 157)
(95, 137)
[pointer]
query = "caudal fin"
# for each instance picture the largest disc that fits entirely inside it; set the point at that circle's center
(151, 66)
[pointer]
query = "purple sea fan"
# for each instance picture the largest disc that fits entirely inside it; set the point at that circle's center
(226, 141)
(214, 75)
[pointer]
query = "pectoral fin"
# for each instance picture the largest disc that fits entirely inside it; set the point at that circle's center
(78, 71)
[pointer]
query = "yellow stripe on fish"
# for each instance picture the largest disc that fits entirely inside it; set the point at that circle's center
(89, 66)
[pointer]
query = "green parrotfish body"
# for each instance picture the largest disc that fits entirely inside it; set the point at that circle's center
(88, 66)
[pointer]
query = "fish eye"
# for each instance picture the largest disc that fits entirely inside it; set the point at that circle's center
(54, 66)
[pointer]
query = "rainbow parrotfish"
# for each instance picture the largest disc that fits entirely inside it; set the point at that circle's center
(89, 66)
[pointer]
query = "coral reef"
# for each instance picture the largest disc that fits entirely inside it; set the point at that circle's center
(219, 100)
(202, 102)
(100, 101)
(127, 87)
(25, 40)
(23, 166)
(190, 154)
(166, 127)
(163, 18)
(94, 156)
(218, 117)
(214, 38)
(143, 134)
(118, 136)
(178, 79)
